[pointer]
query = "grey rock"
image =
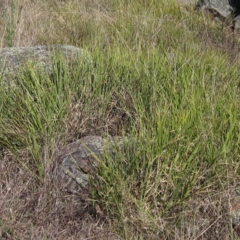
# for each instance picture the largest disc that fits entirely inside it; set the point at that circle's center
(78, 160)
(222, 10)
(12, 59)
(222, 7)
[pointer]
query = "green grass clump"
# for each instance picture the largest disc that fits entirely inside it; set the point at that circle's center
(186, 139)
(33, 108)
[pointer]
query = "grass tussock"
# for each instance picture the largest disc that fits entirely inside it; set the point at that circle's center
(164, 76)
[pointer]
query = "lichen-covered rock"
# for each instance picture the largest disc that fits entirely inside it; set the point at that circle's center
(77, 161)
(14, 58)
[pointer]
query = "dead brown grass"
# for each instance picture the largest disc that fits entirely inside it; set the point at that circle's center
(82, 122)
(30, 209)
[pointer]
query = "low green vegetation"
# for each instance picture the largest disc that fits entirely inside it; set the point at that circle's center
(159, 77)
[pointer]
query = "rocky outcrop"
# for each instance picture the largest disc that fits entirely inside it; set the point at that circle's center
(222, 9)
(78, 160)
(14, 58)
(220, 6)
